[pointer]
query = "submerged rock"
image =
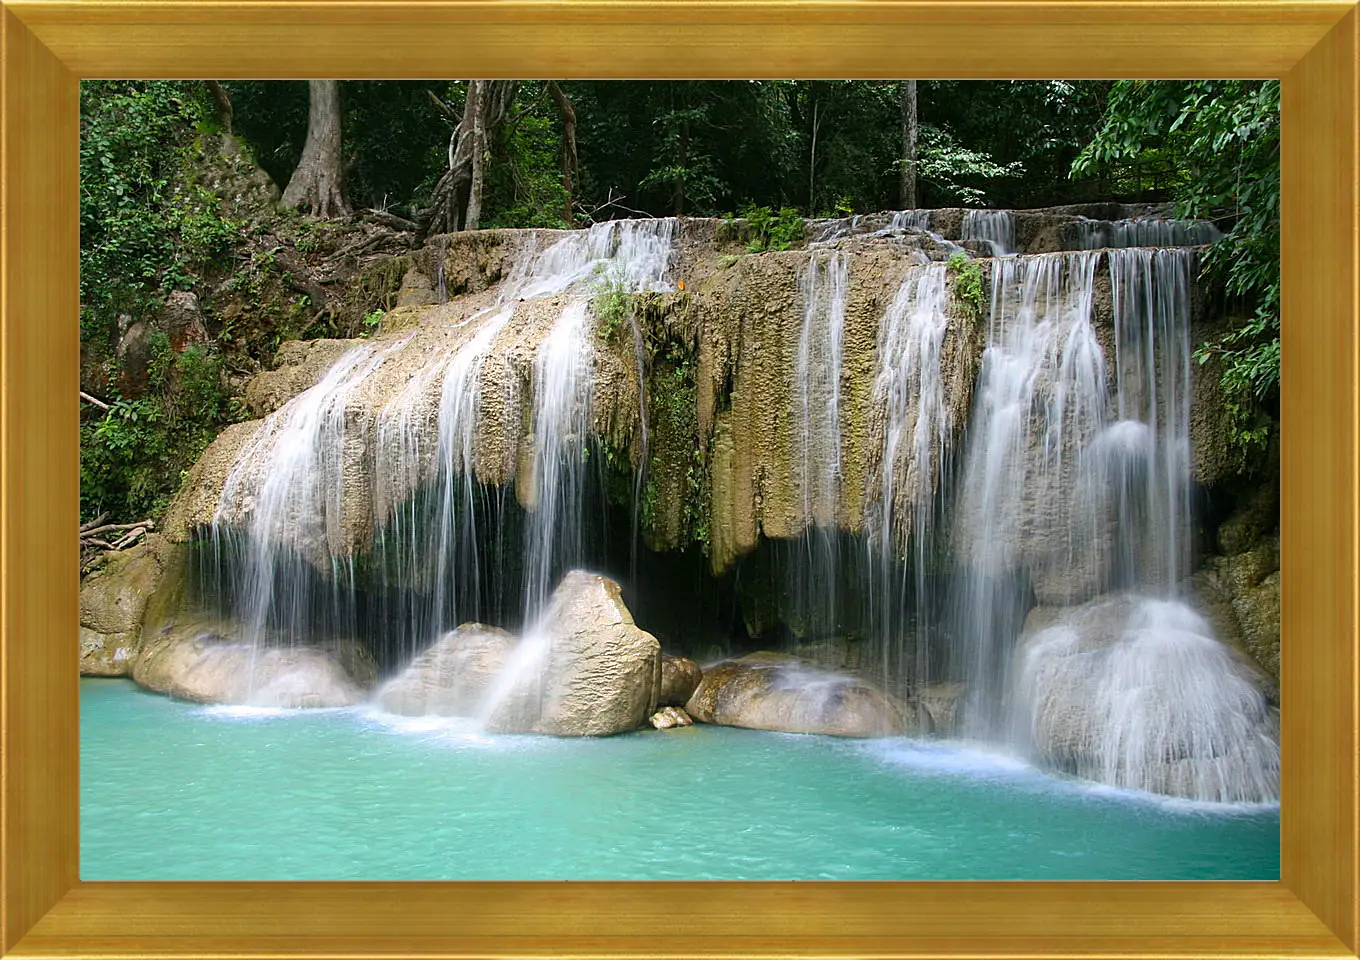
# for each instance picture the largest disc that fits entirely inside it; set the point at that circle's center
(669, 718)
(205, 662)
(1137, 693)
(680, 677)
(453, 677)
(767, 691)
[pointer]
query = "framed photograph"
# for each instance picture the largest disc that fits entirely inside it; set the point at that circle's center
(669, 481)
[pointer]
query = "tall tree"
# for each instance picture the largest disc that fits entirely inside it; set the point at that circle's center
(569, 158)
(317, 183)
(457, 200)
(907, 186)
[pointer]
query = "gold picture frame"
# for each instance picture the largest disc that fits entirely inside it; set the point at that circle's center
(49, 45)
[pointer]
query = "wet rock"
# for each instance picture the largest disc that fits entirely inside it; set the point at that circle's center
(940, 701)
(113, 598)
(114, 601)
(669, 718)
(586, 667)
(107, 654)
(1137, 693)
(196, 503)
(453, 677)
(298, 365)
(768, 691)
(680, 677)
(207, 662)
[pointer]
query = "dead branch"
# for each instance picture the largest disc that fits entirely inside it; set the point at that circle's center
(94, 400)
(390, 220)
(86, 528)
(112, 527)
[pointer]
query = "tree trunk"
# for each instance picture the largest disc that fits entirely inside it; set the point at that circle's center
(223, 101)
(457, 201)
(474, 205)
(907, 194)
(569, 156)
(316, 184)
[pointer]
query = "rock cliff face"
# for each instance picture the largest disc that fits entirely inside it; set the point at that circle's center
(719, 363)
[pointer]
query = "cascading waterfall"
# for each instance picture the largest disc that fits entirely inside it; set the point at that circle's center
(817, 420)
(560, 421)
(996, 228)
(1038, 563)
(910, 391)
(286, 493)
(1145, 232)
(1040, 398)
(279, 522)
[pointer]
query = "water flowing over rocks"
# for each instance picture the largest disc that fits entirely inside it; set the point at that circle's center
(1135, 692)
(770, 691)
(885, 456)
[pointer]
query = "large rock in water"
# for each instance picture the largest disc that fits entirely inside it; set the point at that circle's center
(680, 677)
(454, 677)
(594, 671)
(767, 691)
(206, 663)
(1137, 693)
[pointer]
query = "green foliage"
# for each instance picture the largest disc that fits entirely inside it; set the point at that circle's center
(524, 189)
(134, 457)
(951, 168)
(773, 231)
(614, 305)
(373, 321)
(1214, 146)
(967, 283)
(145, 229)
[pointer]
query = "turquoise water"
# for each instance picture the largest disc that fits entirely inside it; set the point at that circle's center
(175, 791)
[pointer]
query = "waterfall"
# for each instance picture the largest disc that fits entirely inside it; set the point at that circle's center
(1145, 232)
(910, 396)
(1136, 693)
(1040, 397)
(561, 417)
(996, 228)
(1144, 456)
(282, 565)
(817, 440)
(286, 493)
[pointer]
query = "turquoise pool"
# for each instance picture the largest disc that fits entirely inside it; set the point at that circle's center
(176, 791)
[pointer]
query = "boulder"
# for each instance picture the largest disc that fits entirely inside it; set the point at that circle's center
(107, 654)
(940, 702)
(669, 718)
(590, 669)
(207, 662)
(768, 691)
(1137, 693)
(453, 677)
(113, 598)
(680, 677)
(113, 605)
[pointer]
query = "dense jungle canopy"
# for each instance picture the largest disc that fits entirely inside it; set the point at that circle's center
(221, 219)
